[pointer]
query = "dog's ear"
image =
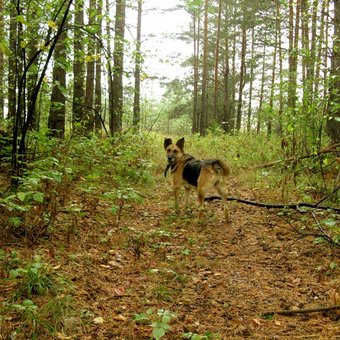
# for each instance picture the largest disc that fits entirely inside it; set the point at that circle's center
(180, 143)
(167, 142)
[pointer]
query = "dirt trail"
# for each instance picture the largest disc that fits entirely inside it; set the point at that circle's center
(215, 277)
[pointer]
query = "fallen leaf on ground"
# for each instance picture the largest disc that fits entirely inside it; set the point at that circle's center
(98, 321)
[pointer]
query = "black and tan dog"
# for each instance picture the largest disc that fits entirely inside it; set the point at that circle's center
(203, 175)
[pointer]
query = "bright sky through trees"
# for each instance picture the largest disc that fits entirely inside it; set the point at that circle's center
(161, 48)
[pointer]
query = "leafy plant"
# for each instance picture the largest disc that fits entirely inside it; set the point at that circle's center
(159, 321)
(36, 278)
(195, 336)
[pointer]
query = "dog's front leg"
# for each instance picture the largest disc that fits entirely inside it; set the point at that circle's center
(187, 198)
(176, 195)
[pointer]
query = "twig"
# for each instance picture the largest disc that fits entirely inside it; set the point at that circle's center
(301, 311)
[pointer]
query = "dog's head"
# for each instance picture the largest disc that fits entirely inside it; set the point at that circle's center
(173, 151)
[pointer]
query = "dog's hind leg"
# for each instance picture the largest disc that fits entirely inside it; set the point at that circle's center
(223, 191)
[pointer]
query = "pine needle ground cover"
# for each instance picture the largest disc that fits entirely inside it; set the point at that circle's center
(116, 262)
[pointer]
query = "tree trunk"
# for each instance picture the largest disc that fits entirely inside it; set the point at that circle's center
(217, 52)
(138, 62)
(227, 114)
(98, 80)
(242, 76)
(333, 122)
(2, 61)
(272, 86)
(118, 68)
(78, 68)
(251, 82)
(56, 118)
(196, 28)
(89, 87)
(204, 108)
(12, 71)
(280, 56)
(293, 46)
(259, 117)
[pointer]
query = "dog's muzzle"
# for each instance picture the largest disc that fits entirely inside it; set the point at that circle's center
(171, 160)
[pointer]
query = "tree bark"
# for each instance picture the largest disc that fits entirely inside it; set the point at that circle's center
(138, 62)
(216, 64)
(56, 118)
(90, 67)
(118, 69)
(98, 71)
(2, 61)
(78, 69)
(242, 76)
(333, 122)
(204, 108)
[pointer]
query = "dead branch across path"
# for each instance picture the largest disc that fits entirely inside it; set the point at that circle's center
(294, 206)
(302, 311)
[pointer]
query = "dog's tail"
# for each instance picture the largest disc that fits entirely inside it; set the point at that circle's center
(222, 167)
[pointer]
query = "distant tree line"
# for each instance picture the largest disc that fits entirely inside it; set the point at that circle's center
(268, 66)
(263, 66)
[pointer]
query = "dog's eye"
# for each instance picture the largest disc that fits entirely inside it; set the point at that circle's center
(175, 151)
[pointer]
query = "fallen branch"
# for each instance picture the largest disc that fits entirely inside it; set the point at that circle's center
(301, 311)
(294, 206)
(330, 149)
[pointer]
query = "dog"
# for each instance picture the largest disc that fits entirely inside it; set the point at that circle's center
(202, 175)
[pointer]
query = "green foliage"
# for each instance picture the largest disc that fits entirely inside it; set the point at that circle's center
(36, 278)
(39, 299)
(159, 321)
(206, 336)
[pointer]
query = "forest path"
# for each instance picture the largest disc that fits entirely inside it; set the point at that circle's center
(217, 278)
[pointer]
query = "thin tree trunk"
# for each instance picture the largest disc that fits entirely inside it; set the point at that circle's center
(90, 67)
(227, 118)
(333, 122)
(12, 63)
(242, 77)
(320, 50)
(118, 68)
(259, 118)
(138, 61)
(196, 118)
(272, 85)
(204, 108)
(281, 90)
(98, 67)
(293, 53)
(2, 61)
(78, 68)
(251, 82)
(109, 64)
(56, 118)
(217, 52)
